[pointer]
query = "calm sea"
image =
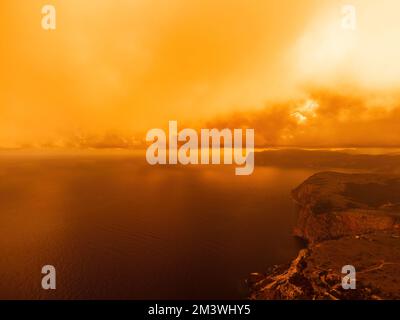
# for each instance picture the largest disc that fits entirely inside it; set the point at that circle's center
(116, 227)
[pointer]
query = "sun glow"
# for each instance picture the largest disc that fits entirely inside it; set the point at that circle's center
(368, 55)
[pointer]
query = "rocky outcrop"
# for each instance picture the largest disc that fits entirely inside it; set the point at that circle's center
(333, 205)
(347, 219)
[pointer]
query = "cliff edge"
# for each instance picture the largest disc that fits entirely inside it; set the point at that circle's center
(347, 219)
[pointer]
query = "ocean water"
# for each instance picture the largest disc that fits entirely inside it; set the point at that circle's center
(115, 227)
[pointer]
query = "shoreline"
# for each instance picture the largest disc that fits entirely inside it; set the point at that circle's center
(340, 230)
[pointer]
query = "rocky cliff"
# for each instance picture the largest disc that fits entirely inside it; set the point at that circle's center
(347, 219)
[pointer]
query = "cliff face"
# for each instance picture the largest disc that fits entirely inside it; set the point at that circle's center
(333, 205)
(347, 219)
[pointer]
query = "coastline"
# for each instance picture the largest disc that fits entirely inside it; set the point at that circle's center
(342, 226)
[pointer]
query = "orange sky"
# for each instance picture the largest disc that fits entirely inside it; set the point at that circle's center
(116, 68)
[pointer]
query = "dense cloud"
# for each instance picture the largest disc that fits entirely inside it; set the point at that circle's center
(335, 117)
(114, 69)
